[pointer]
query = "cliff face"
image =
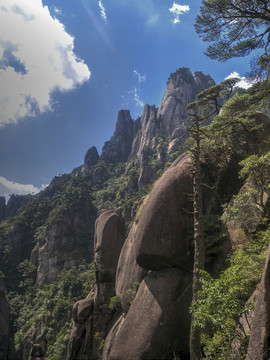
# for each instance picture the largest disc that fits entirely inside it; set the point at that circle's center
(118, 148)
(131, 138)
(182, 88)
(159, 132)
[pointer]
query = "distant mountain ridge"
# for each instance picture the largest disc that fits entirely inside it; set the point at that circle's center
(131, 137)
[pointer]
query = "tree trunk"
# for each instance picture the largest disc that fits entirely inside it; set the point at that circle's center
(195, 333)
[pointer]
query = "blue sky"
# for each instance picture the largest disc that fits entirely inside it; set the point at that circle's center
(68, 67)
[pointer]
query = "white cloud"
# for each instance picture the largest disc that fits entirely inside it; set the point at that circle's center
(141, 78)
(103, 12)
(36, 58)
(242, 83)
(177, 10)
(57, 10)
(139, 102)
(136, 89)
(9, 187)
(133, 96)
(153, 19)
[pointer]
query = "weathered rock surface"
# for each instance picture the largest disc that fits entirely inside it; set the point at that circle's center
(163, 228)
(109, 239)
(129, 273)
(149, 128)
(158, 313)
(93, 317)
(4, 322)
(260, 328)
(65, 244)
(118, 148)
(182, 88)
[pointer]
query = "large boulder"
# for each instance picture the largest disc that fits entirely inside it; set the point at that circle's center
(94, 316)
(162, 236)
(158, 320)
(109, 239)
(129, 274)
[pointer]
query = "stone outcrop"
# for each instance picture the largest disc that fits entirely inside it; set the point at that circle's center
(90, 158)
(65, 243)
(140, 139)
(157, 322)
(94, 316)
(4, 322)
(109, 239)
(127, 281)
(260, 328)
(162, 234)
(182, 88)
(118, 148)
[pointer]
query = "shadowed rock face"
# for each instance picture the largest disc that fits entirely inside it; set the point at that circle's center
(109, 239)
(260, 329)
(182, 88)
(4, 322)
(118, 148)
(158, 312)
(154, 307)
(162, 234)
(65, 238)
(93, 317)
(129, 273)
(91, 158)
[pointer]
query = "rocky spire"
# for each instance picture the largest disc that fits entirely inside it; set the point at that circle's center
(91, 158)
(118, 148)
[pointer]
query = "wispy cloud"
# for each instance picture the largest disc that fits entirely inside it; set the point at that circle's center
(133, 96)
(8, 187)
(136, 89)
(177, 10)
(243, 83)
(138, 101)
(153, 19)
(36, 58)
(147, 9)
(141, 78)
(103, 12)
